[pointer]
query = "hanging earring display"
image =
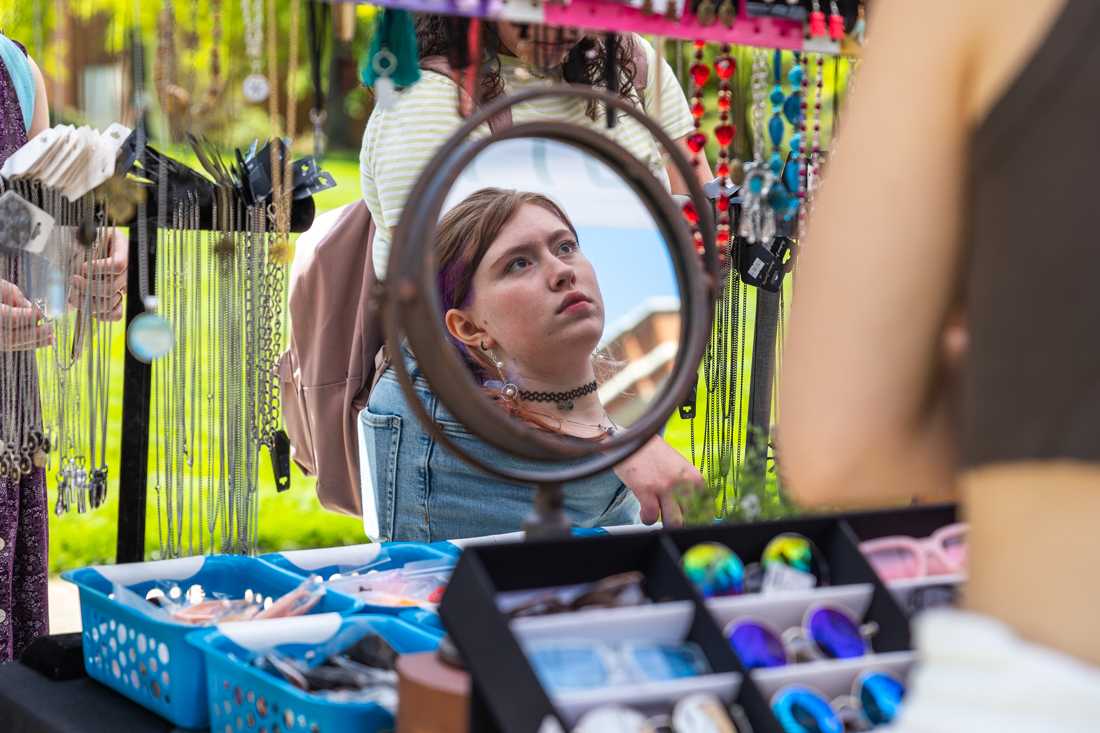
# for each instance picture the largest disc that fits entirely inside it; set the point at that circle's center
(859, 30)
(393, 59)
(836, 22)
(256, 87)
(817, 20)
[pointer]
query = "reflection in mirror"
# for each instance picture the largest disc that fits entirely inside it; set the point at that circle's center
(557, 287)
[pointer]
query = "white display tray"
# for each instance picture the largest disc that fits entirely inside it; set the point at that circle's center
(833, 677)
(650, 698)
(785, 609)
(659, 623)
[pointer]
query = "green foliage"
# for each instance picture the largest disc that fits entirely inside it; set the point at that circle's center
(51, 30)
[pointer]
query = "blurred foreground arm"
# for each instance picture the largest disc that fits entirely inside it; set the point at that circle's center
(866, 413)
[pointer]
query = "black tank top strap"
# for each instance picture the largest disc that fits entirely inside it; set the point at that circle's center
(1038, 86)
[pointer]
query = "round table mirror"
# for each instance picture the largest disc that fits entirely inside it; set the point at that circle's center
(550, 292)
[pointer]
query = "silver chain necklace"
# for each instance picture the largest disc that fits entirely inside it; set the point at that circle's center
(256, 88)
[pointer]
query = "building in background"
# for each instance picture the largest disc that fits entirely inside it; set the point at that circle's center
(645, 342)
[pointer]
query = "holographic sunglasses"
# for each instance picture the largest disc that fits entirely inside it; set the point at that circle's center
(900, 557)
(716, 570)
(827, 632)
(875, 700)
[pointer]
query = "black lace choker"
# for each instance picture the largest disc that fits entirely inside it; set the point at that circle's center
(564, 400)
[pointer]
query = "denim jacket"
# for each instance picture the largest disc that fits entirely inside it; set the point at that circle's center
(422, 492)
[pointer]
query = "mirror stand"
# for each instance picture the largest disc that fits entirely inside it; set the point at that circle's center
(547, 520)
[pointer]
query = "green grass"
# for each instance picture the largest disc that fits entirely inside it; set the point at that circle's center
(288, 520)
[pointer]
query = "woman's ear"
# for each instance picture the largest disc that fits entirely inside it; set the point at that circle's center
(462, 326)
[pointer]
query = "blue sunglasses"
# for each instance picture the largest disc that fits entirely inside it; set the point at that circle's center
(876, 700)
(827, 632)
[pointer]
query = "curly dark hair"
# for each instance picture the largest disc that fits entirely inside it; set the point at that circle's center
(586, 63)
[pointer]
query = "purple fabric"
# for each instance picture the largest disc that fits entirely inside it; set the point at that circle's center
(24, 612)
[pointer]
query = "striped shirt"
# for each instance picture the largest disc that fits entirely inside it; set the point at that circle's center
(399, 142)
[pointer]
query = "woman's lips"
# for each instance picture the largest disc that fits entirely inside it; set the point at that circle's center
(575, 298)
(578, 306)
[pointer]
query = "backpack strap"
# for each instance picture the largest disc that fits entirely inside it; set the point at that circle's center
(641, 67)
(439, 65)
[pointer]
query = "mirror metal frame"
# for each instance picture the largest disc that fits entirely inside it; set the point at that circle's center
(410, 303)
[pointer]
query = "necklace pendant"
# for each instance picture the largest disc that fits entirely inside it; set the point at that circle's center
(256, 88)
(565, 405)
(149, 337)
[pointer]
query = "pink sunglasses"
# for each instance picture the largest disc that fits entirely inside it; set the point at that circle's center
(900, 557)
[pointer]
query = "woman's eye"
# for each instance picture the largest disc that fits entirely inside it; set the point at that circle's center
(519, 263)
(568, 247)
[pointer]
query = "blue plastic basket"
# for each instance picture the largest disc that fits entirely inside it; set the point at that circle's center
(147, 658)
(246, 699)
(378, 556)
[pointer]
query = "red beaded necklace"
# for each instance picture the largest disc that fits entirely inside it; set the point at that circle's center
(697, 141)
(724, 67)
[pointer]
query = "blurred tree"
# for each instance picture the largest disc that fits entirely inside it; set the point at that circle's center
(196, 61)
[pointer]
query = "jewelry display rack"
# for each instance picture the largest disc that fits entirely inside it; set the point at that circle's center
(137, 375)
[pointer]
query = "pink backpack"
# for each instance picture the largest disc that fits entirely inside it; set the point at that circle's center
(336, 338)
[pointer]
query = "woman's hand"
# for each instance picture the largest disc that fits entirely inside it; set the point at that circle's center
(108, 280)
(660, 477)
(19, 327)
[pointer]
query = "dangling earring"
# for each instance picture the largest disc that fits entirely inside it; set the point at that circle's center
(508, 390)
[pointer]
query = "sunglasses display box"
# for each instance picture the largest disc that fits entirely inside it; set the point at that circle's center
(853, 586)
(507, 694)
(915, 522)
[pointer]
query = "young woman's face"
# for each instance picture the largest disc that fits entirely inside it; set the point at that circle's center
(540, 47)
(535, 296)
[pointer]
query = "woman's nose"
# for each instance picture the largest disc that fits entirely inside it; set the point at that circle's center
(563, 276)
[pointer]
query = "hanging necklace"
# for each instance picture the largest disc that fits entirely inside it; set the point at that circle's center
(724, 67)
(282, 178)
(318, 13)
(604, 430)
(799, 79)
(697, 141)
(149, 335)
(256, 87)
(814, 157)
